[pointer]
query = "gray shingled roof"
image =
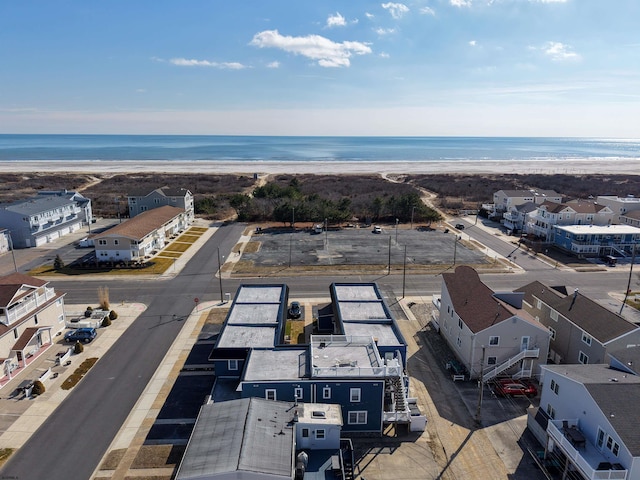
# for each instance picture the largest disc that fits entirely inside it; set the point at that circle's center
(250, 435)
(576, 205)
(39, 204)
(628, 356)
(593, 318)
(535, 193)
(11, 284)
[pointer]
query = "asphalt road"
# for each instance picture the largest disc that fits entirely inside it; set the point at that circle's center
(70, 443)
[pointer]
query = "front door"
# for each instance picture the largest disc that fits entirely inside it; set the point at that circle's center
(524, 344)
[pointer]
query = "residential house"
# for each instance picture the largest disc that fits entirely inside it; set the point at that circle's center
(620, 206)
(515, 218)
(254, 438)
(31, 314)
(542, 221)
(139, 237)
(582, 331)
(630, 218)
(44, 218)
(626, 359)
(144, 200)
(503, 200)
(86, 213)
(5, 241)
(479, 323)
(597, 241)
(587, 421)
(363, 371)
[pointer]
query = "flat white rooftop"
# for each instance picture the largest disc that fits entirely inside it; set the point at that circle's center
(259, 294)
(243, 336)
(357, 311)
(284, 364)
(600, 230)
(250, 313)
(356, 292)
(382, 332)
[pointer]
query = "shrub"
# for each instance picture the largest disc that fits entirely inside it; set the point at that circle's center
(78, 348)
(113, 315)
(58, 263)
(106, 321)
(38, 388)
(88, 311)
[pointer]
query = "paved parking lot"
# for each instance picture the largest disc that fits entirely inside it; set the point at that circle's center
(360, 246)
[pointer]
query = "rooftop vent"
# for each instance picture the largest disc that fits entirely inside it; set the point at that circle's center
(318, 414)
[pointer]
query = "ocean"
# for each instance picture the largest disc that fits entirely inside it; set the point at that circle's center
(330, 149)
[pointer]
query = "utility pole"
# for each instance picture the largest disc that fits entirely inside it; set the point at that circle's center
(389, 264)
(413, 209)
(455, 248)
(479, 408)
(326, 237)
(290, 242)
(396, 231)
(220, 276)
(404, 270)
(633, 258)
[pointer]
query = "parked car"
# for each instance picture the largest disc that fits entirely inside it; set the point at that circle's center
(294, 310)
(507, 387)
(84, 335)
(460, 226)
(377, 229)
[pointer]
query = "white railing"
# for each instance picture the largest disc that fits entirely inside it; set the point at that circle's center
(390, 417)
(355, 371)
(534, 353)
(578, 460)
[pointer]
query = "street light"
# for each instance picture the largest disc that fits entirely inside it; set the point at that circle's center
(413, 209)
(220, 276)
(397, 231)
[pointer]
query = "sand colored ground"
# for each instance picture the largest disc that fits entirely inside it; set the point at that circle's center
(301, 167)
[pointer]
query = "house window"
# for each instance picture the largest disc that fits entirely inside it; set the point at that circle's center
(320, 434)
(460, 323)
(554, 386)
(102, 242)
(448, 309)
(35, 319)
(15, 333)
(305, 432)
(156, 201)
(586, 338)
(553, 333)
(613, 446)
(554, 315)
(61, 318)
(59, 302)
(233, 364)
(492, 360)
(116, 242)
(357, 417)
(270, 394)
(551, 411)
(539, 304)
(494, 341)
(326, 393)
(582, 358)
(297, 393)
(458, 342)
(600, 438)
(354, 395)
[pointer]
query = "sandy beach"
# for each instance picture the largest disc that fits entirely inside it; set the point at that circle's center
(581, 166)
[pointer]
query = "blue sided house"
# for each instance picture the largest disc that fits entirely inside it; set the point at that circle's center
(361, 366)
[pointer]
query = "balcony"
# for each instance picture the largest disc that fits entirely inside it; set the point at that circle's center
(29, 305)
(586, 457)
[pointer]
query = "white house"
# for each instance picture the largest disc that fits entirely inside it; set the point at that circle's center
(504, 200)
(146, 200)
(588, 421)
(619, 205)
(477, 322)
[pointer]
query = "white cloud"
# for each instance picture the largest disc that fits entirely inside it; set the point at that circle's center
(558, 52)
(191, 62)
(141, 90)
(473, 43)
(460, 3)
(384, 55)
(336, 20)
(370, 16)
(274, 64)
(427, 11)
(326, 52)
(385, 31)
(397, 10)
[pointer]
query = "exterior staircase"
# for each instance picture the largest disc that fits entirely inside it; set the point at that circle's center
(534, 353)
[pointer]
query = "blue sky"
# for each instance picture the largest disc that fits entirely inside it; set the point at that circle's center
(302, 67)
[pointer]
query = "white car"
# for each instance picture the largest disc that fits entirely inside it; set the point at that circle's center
(377, 229)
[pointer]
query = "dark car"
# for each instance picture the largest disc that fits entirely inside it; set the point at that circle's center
(506, 387)
(460, 226)
(84, 335)
(294, 310)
